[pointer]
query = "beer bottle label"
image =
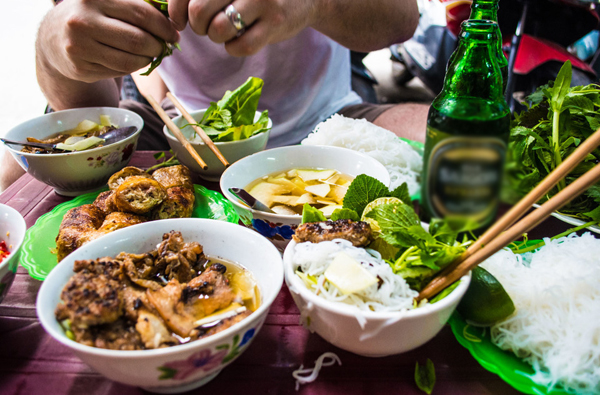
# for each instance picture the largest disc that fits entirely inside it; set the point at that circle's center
(464, 177)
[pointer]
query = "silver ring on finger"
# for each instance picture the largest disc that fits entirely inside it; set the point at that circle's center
(236, 19)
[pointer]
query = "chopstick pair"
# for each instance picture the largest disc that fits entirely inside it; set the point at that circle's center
(493, 239)
(177, 132)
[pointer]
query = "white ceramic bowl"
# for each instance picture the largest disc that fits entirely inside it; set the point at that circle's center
(12, 232)
(231, 150)
(277, 227)
(75, 173)
(141, 368)
(383, 333)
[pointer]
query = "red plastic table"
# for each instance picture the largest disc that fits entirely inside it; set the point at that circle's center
(31, 362)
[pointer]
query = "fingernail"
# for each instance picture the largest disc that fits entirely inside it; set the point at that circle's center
(178, 26)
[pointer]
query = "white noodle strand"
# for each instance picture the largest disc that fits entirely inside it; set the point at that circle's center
(304, 376)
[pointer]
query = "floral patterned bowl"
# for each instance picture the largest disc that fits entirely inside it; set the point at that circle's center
(277, 227)
(12, 232)
(75, 173)
(187, 366)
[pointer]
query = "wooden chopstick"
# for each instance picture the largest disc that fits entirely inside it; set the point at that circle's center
(561, 171)
(530, 221)
(198, 129)
(176, 132)
(527, 201)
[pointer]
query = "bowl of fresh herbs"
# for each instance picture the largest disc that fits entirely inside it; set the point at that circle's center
(233, 124)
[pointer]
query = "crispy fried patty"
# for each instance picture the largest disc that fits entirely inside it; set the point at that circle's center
(357, 232)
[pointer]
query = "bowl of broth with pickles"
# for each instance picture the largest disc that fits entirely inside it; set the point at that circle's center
(286, 178)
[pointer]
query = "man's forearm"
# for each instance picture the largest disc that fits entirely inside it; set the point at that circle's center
(366, 26)
(63, 93)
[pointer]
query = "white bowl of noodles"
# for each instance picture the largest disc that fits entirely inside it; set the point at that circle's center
(185, 366)
(394, 328)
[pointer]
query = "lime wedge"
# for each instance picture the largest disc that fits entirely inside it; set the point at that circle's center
(485, 302)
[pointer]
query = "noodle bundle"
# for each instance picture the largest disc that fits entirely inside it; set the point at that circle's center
(392, 293)
(402, 162)
(556, 326)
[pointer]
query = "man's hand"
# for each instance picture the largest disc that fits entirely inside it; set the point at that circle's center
(361, 25)
(267, 21)
(88, 41)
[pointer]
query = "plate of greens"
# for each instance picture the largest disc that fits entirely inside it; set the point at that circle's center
(559, 118)
(39, 247)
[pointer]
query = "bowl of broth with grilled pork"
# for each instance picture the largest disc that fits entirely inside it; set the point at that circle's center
(164, 306)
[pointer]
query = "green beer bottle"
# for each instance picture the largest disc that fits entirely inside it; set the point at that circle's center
(488, 10)
(467, 133)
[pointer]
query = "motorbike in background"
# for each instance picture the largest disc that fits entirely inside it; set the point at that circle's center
(536, 37)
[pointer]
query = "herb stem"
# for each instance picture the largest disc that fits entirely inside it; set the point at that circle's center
(556, 142)
(563, 234)
(405, 254)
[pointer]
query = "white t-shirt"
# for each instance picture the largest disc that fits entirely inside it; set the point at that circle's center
(306, 79)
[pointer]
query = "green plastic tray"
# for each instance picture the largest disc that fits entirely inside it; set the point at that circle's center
(37, 253)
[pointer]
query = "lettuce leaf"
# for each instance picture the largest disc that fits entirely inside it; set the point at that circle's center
(232, 117)
(344, 213)
(311, 214)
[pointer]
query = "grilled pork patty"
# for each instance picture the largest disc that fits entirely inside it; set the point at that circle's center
(357, 232)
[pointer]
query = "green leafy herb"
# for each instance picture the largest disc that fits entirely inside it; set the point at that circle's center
(311, 214)
(161, 5)
(167, 51)
(364, 189)
(172, 161)
(232, 117)
(558, 120)
(425, 376)
(344, 213)
(421, 254)
(412, 252)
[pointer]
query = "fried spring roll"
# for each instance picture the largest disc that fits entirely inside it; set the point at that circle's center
(139, 195)
(106, 202)
(118, 220)
(179, 204)
(119, 177)
(174, 176)
(77, 227)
